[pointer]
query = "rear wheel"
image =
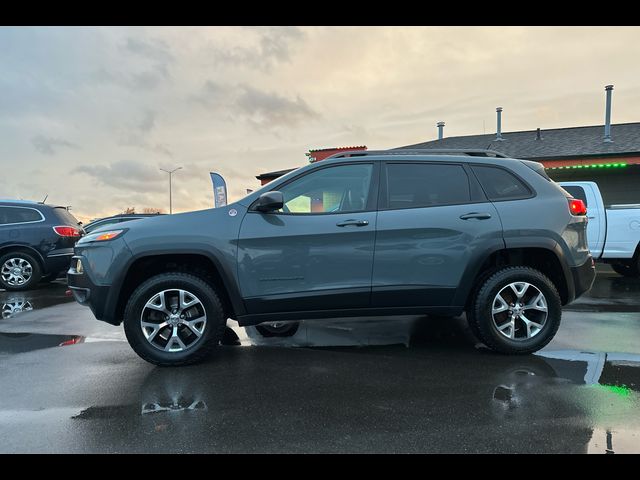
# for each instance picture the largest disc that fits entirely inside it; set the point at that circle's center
(174, 319)
(19, 271)
(627, 269)
(278, 329)
(516, 310)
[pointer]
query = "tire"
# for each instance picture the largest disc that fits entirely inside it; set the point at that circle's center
(28, 265)
(278, 329)
(630, 269)
(481, 318)
(196, 348)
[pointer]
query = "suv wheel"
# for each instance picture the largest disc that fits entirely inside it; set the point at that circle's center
(19, 271)
(516, 310)
(174, 319)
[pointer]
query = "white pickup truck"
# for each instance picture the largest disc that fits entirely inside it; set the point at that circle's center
(613, 232)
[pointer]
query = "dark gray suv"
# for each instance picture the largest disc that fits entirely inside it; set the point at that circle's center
(359, 234)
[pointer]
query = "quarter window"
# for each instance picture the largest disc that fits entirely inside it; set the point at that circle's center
(343, 188)
(9, 215)
(499, 184)
(426, 185)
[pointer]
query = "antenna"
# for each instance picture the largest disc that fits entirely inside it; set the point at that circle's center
(45, 198)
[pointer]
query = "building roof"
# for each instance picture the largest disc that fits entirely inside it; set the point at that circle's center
(276, 174)
(338, 149)
(555, 143)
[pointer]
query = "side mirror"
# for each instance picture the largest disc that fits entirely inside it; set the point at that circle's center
(270, 201)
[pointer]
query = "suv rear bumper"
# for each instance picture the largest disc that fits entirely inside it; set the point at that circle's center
(583, 277)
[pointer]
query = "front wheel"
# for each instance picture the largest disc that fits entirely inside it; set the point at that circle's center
(174, 319)
(516, 310)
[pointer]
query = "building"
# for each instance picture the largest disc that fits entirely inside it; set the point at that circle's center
(314, 156)
(606, 154)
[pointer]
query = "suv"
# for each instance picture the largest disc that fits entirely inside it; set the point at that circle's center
(36, 242)
(122, 217)
(359, 234)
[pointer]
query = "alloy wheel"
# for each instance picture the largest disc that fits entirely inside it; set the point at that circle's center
(173, 320)
(519, 311)
(16, 272)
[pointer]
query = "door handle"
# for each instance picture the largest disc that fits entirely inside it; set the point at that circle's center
(479, 216)
(355, 223)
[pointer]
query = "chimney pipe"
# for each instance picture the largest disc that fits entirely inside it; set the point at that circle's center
(499, 132)
(607, 115)
(538, 134)
(440, 126)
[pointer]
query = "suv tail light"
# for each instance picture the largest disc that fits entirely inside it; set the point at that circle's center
(66, 231)
(577, 207)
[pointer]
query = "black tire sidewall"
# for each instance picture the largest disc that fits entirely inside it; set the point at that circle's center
(484, 301)
(213, 329)
(35, 276)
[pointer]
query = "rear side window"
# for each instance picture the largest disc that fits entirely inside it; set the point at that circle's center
(9, 215)
(500, 184)
(66, 217)
(577, 192)
(413, 185)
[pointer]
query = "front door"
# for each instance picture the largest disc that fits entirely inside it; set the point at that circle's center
(433, 223)
(317, 252)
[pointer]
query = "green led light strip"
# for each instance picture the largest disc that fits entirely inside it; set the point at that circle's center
(599, 165)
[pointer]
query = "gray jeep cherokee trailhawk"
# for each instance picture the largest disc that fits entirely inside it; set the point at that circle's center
(359, 234)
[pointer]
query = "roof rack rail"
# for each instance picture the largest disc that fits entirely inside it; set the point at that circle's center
(426, 151)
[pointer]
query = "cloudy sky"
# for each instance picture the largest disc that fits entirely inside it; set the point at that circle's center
(89, 115)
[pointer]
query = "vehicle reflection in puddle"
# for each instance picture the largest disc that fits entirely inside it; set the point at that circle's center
(14, 303)
(426, 384)
(27, 342)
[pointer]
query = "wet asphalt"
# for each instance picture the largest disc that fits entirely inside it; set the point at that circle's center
(69, 383)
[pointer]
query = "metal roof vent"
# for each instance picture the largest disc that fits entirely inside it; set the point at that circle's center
(499, 126)
(440, 126)
(607, 115)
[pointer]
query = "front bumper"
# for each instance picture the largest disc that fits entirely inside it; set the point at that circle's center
(88, 293)
(583, 276)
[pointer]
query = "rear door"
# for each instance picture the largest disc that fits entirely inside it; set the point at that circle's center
(434, 226)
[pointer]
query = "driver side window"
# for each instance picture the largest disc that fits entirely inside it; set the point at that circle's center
(343, 188)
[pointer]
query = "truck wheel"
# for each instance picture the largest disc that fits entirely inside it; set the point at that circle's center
(516, 310)
(631, 269)
(174, 319)
(19, 271)
(278, 329)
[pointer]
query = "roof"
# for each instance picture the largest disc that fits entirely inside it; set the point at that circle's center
(555, 143)
(276, 174)
(361, 147)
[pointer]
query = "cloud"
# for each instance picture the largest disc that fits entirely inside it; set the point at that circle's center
(137, 135)
(49, 145)
(262, 109)
(270, 109)
(273, 46)
(129, 175)
(156, 50)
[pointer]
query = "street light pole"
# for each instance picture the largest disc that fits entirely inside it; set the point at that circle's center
(170, 172)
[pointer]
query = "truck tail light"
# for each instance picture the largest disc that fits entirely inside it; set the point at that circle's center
(577, 207)
(66, 231)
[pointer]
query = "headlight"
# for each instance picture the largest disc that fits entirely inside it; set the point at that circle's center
(100, 236)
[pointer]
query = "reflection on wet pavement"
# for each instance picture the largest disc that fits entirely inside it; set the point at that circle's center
(404, 384)
(13, 303)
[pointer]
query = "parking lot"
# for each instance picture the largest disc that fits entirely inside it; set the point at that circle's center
(404, 384)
